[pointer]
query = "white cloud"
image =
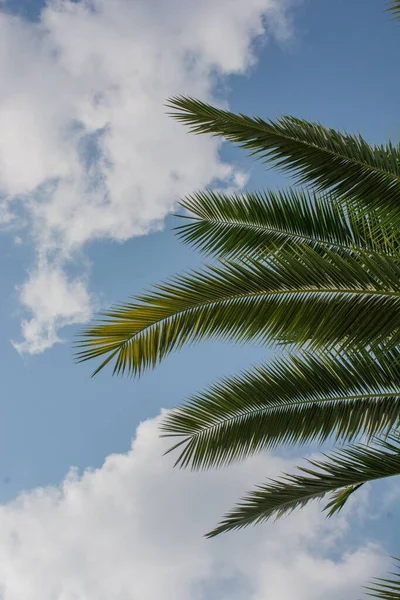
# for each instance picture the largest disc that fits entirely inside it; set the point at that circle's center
(86, 148)
(48, 287)
(132, 530)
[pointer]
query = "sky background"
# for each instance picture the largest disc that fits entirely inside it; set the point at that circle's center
(90, 171)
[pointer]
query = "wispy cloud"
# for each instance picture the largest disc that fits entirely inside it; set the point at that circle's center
(86, 148)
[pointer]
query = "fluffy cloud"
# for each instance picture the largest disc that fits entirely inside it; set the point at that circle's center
(48, 288)
(86, 150)
(132, 530)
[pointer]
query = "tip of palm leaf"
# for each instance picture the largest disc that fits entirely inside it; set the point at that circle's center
(214, 532)
(81, 357)
(393, 7)
(225, 526)
(174, 447)
(175, 103)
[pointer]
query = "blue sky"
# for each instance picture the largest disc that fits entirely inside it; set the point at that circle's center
(331, 62)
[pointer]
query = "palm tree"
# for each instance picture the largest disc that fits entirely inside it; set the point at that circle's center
(314, 271)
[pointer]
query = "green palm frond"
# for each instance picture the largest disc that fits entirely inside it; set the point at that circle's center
(232, 225)
(386, 589)
(340, 497)
(295, 400)
(352, 466)
(297, 297)
(316, 155)
(394, 8)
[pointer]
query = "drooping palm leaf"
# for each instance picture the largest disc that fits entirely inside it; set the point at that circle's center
(340, 497)
(387, 588)
(315, 154)
(352, 466)
(294, 296)
(294, 400)
(232, 225)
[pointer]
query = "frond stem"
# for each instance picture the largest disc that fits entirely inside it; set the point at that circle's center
(260, 411)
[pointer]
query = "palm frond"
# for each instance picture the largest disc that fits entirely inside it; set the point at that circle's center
(352, 466)
(394, 8)
(232, 225)
(387, 588)
(316, 155)
(296, 297)
(295, 400)
(340, 497)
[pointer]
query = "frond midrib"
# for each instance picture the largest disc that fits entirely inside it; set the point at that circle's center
(233, 298)
(353, 466)
(180, 115)
(312, 495)
(254, 412)
(347, 158)
(287, 232)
